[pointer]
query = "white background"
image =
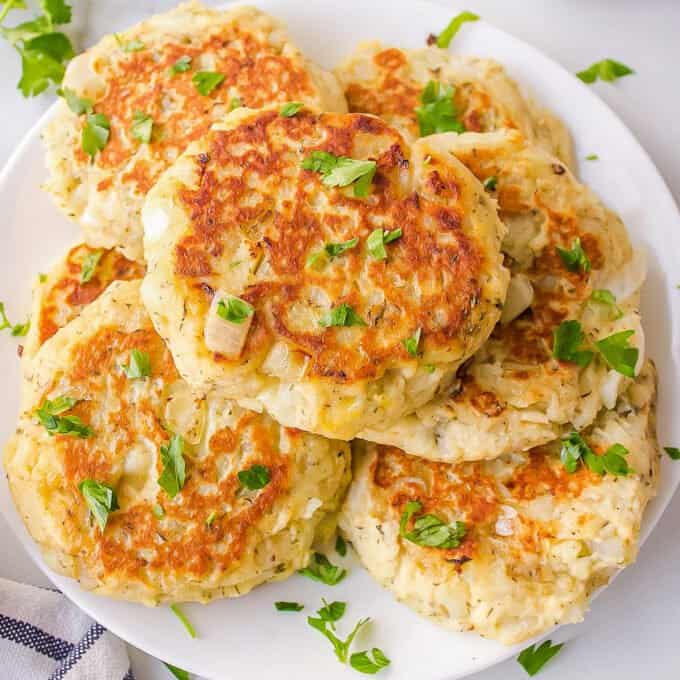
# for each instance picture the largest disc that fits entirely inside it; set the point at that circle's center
(633, 630)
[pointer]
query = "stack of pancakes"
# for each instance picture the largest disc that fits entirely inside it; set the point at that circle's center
(295, 316)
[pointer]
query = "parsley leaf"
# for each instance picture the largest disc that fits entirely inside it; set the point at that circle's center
(446, 36)
(182, 65)
(158, 511)
(430, 531)
(673, 452)
(95, 133)
(234, 310)
(320, 569)
(255, 477)
(340, 546)
(437, 112)
(605, 297)
(567, 339)
(592, 157)
(133, 46)
(340, 171)
(490, 183)
(575, 449)
(576, 258)
(206, 81)
(100, 498)
(340, 647)
(142, 127)
(50, 416)
(607, 70)
(290, 109)
(179, 673)
(139, 366)
(332, 612)
(235, 103)
(289, 606)
(533, 658)
(16, 330)
(78, 105)
(411, 344)
(174, 469)
(378, 238)
(362, 662)
(56, 11)
(335, 249)
(183, 618)
(89, 265)
(342, 315)
(618, 353)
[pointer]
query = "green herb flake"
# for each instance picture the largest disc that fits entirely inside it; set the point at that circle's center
(42, 277)
(321, 569)
(533, 658)
(340, 171)
(618, 353)
(290, 109)
(133, 46)
(96, 133)
(575, 449)
(235, 103)
(428, 530)
(340, 546)
(182, 65)
(430, 368)
(289, 606)
(377, 240)
(326, 627)
(333, 612)
(139, 366)
(362, 661)
(437, 111)
(673, 452)
(255, 477)
(206, 81)
(605, 297)
(568, 339)
(50, 415)
(211, 518)
(607, 70)
(234, 310)
(183, 618)
(342, 315)
(179, 673)
(89, 265)
(79, 105)
(335, 249)
(142, 127)
(575, 259)
(174, 467)
(158, 511)
(100, 499)
(17, 329)
(490, 183)
(592, 157)
(446, 36)
(411, 344)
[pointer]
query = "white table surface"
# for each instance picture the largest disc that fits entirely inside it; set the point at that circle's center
(633, 630)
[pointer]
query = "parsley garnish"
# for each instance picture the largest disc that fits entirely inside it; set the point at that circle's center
(618, 353)
(362, 662)
(533, 658)
(320, 569)
(340, 171)
(575, 449)
(206, 81)
(437, 112)
(183, 618)
(340, 546)
(96, 133)
(592, 157)
(377, 240)
(133, 46)
(446, 36)
(342, 315)
(335, 249)
(79, 105)
(211, 518)
(255, 477)
(100, 498)
(142, 127)
(89, 265)
(235, 103)
(158, 511)
(50, 415)
(179, 673)
(290, 109)
(576, 258)
(234, 310)
(289, 606)
(605, 297)
(607, 70)
(340, 647)
(174, 469)
(673, 452)
(567, 341)
(17, 329)
(411, 344)
(430, 531)
(490, 183)
(139, 366)
(182, 65)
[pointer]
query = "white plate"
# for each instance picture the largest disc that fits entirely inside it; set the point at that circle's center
(245, 638)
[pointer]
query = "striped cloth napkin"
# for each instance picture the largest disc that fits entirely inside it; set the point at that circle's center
(45, 637)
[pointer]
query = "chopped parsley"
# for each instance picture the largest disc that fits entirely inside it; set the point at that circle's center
(289, 606)
(331, 612)
(362, 661)
(335, 249)
(575, 259)
(179, 673)
(321, 569)
(17, 329)
(79, 105)
(158, 511)
(618, 353)
(326, 628)
(89, 265)
(342, 315)
(206, 81)
(428, 530)
(533, 658)
(234, 310)
(377, 240)
(490, 183)
(211, 518)
(605, 297)
(575, 449)
(182, 65)
(592, 157)
(568, 339)
(437, 111)
(133, 46)
(235, 103)
(96, 133)
(673, 452)
(139, 366)
(255, 477)
(100, 498)
(411, 344)
(183, 618)
(446, 36)
(52, 419)
(340, 171)
(174, 468)
(607, 70)
(142, 127)
(290, 109)
(340, 546)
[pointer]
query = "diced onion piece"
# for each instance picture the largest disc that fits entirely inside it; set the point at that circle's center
(519, 298)
(225, 337)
